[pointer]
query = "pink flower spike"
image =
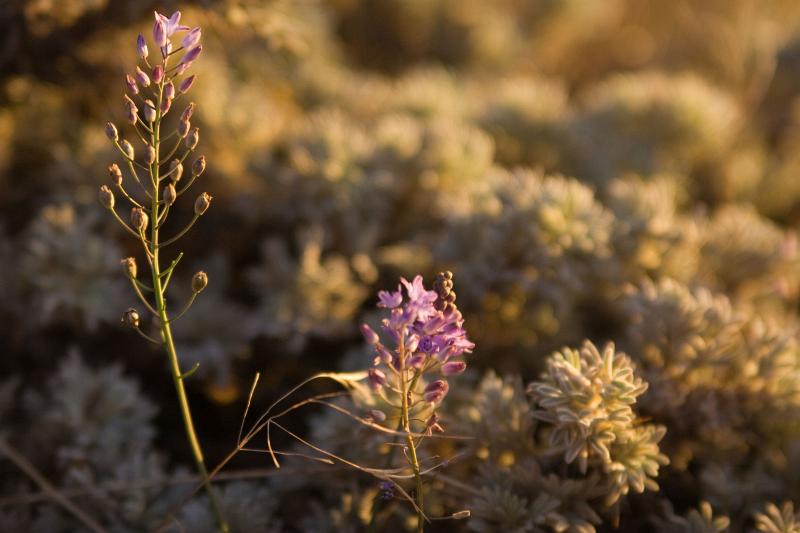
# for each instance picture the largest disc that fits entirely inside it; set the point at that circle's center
(186, 84)
(192, 38)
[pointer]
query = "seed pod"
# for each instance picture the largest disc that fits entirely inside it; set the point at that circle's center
(139, 219)
(149, 154)
(142, 78)
(169, 90)
(116, 174)
(130, 84)
(183, 128)
(199, 165)
(377, 415)
(106, 197)
(131, 318)
(187, 83)
(199, 281)
(193, 139)
(127, 148)
(188, 112)
(131, 115)
(129, 267)
(170, 195)
(202, 203)
(158, 73)
(175, 170)
(149, 111)
(111, 132)
(452, 368)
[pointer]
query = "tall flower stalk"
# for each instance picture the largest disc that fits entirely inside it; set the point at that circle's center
(152, 91)
(427, 340)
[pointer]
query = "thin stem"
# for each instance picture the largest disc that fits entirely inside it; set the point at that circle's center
(410, 439)
(181, 234)
(129, 197)
(185, 307)
(136, 178)
(166, 331)
(124, 225)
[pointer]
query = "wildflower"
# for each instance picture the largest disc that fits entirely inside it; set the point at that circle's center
(169, 90)
(158, 73)
(436, 391)
(192, 54)
(376, 377)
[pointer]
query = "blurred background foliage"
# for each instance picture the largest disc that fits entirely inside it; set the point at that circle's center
(624, 171)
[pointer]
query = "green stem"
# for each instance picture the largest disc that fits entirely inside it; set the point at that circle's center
(410, 440)
(166, 330)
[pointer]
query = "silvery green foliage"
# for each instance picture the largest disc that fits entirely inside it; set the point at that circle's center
(523, 499)
(315, 294)
(248, 506)
(69, 270)
(587, 397)
(650, 121)
(95, 429)
(700, 520)
(776, 519)
(530, 257)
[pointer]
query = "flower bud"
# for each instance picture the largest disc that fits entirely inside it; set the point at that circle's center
(139, 219)
(111, 132)
(166, 103)
(131, 318)
(384, 355)
(186, 84)
(149, 111)
(377, 415)
(199, 165)
(369, 335)
(158, 73)
(149, 154)
(192, 54)
(416, 360)
(106, 197)
(175, 170)
(141, 47)
(142, 78)
(452, 368)
(159, 32)
(193, 138)
(131, 115)
(130, 84)
(435, 391)
(181, 68)
(129, 267)
(170, 195)
(199, 281)
(202, 203)
(376, 378)
(116, 174)
(192, 38)
(188, 112)
(183, 128)
(127, 148)
(169, 90)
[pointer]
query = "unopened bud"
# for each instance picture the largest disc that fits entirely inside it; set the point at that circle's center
(193, 138)
(131, 318)
(130, 109)
(130, 84)
(149, 111)
(116, 174)
(369, 335)
(377, 415)
(199, 281)
(170, 195)
(183, 128)
(127, 148)
(452, 368)
(149, 154)
(435, 391)
(129, 267)
(376, 378)
(139, 219)
(111, 132)
(199, 165)
(188, 112)
(141, 47)
(176, 170)
(192, 54)
(158, 73)
(186, 84)
(202, 203)
(166, 103)
(160, 33)
(169, 90)
(191, 38)
(181, 68)
(142, 78)
(106, 197)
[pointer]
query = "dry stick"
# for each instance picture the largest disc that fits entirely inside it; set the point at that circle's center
(47, 487)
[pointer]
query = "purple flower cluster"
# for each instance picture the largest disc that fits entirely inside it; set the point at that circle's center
(427, 335)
